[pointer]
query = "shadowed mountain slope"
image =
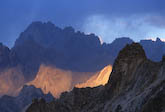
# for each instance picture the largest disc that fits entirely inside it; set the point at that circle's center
(44, 43)
(23, 100)
(136, 84)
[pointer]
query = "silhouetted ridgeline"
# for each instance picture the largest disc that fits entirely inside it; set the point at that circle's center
(67, 49)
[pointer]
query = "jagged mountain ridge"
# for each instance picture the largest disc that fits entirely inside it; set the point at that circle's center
(63, 48)
(35, 46)
(101, 78)
(136, 84)
(157, 48)
(45, 43)
(72, 50)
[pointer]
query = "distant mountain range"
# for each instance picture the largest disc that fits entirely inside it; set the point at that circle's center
(45, 43)
(67, 50)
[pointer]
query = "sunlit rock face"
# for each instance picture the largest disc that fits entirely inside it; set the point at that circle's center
(56, 81)
(51, 79)
(11, 80)
(100, 78)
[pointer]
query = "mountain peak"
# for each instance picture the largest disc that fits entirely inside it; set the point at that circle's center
(128, 59)
(131, 54)
(133, 51)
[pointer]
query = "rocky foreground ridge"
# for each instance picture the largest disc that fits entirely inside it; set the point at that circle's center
(136, 84)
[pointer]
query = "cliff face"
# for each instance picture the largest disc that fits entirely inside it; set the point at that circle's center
(125, 68)
(133, 80)
(11, 79)
(55, 80)
(100, 78)
(136, 84)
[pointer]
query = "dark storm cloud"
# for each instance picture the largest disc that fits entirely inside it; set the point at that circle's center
(17, 14)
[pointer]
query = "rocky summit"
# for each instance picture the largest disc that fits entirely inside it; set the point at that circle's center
(136, 84)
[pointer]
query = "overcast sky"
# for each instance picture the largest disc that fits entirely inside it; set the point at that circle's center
(137, 19)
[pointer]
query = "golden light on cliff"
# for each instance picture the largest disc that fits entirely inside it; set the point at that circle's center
(11, 80)
(100, 78)
(51, 79)
(55, 80)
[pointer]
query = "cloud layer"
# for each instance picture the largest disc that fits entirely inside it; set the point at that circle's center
(143, 16)
(134, 26)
